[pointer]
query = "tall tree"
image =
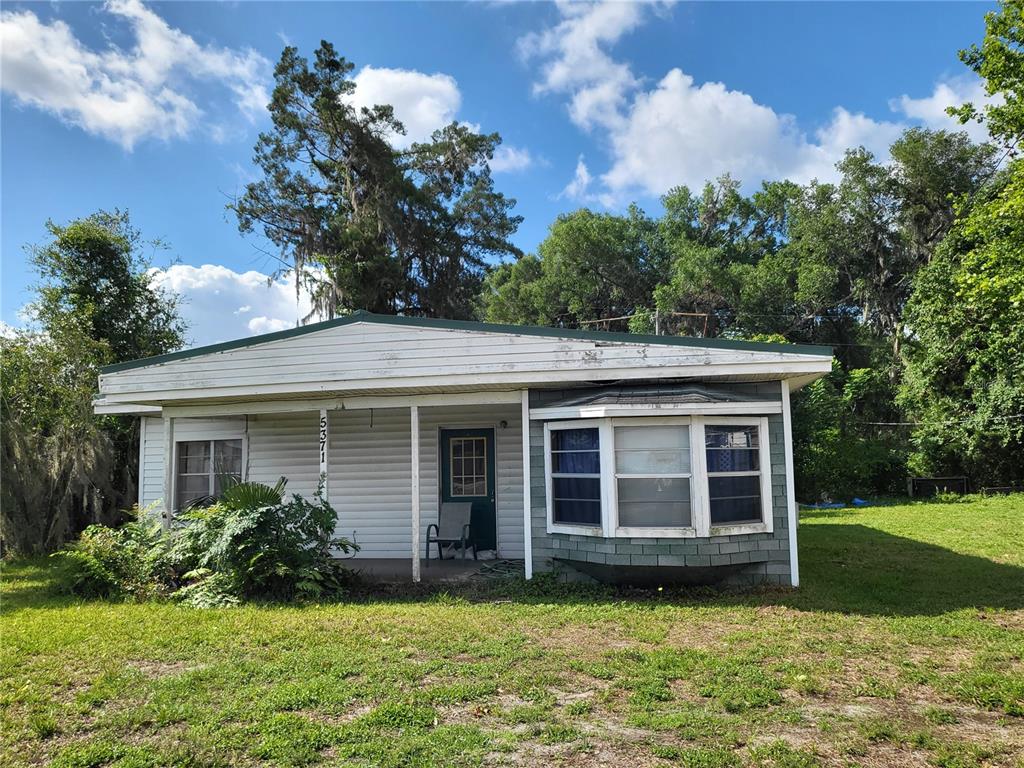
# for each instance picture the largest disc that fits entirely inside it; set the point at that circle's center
(591, 266)
(93, 272)
(999, 62)
(361, 223)
(57, 462)
(96, 304)
(965, 365)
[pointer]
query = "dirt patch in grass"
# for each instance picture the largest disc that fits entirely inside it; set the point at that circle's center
(583, 638)
(334, 718)
(155, 669)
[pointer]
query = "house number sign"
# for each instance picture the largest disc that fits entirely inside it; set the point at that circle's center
(323, 444)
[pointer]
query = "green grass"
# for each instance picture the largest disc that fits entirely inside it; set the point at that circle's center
(903, 646)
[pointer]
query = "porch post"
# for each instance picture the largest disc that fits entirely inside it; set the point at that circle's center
(527, 500)
(414, 419)
(787, 431)
(168, 470)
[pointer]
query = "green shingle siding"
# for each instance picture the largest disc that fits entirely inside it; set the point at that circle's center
(764, 555)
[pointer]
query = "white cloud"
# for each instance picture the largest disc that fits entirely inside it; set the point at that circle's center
(218, 303)
(7, 331)
(508, 159)
(579, 187)
(682, 132)
(124, 95)
(931, 110)
(577, 62)
(422, 102)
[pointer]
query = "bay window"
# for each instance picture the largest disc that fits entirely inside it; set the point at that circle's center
(670, 476)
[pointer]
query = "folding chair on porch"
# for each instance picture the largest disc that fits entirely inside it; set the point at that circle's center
(452, 528)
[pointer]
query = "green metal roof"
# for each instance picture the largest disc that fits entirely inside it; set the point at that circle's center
(361, 316)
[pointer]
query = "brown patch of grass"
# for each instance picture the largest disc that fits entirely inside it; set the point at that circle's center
(154, 669)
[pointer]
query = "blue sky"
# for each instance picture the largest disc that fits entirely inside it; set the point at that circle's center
(155, 108)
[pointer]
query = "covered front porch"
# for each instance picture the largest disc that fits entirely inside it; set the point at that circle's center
(388, 464)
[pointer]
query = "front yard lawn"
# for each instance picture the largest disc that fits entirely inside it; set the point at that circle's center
(904, 646)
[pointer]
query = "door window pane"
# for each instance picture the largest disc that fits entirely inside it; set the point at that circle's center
(468, 466)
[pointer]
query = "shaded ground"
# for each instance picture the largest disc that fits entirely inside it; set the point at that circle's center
(903, 647)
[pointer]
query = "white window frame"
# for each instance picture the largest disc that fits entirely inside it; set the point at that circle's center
(219, 438)
(578, 529)
(700, 506)
(765, 471)
(646, 532)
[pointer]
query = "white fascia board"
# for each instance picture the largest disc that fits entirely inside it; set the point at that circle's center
(344, 404)
(103, 408)
(769, 371)
(655, 409)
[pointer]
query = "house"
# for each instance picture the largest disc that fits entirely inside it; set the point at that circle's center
(618, 454)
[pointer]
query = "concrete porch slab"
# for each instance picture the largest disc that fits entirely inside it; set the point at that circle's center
(399, 570)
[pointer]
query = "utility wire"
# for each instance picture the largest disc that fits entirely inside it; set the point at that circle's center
(946, 423)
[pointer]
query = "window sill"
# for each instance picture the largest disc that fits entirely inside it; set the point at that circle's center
(575, 530)
(739, 529)
(656, 533)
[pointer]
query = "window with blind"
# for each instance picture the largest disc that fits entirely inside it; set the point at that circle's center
(652, 476)
(204, 467)
(575, 476)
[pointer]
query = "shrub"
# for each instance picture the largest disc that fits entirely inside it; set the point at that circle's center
(257, 544)
(251, 543)
(130, 560)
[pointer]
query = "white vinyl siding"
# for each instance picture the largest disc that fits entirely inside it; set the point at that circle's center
(284, 445)
(151, 471)
(369, 478)
(370, 485)
(372, 357)
(151, 456)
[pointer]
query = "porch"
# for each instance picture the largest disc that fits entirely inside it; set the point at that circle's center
(388, 464)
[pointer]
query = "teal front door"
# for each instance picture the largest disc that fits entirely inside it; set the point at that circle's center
(467, 474)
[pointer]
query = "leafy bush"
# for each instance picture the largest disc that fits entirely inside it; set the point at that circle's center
(837, 452)
(130, 560)
(251, 543)
(257, 544)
